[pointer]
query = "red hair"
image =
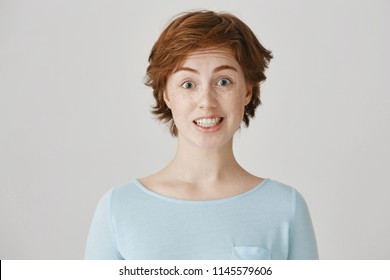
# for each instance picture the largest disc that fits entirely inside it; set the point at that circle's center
(201, 30)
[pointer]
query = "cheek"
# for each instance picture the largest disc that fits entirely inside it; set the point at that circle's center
(238, 104)
(240, 108)
(179, 108)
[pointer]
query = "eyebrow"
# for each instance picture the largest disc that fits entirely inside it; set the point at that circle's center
(219, 68)
(223, 67)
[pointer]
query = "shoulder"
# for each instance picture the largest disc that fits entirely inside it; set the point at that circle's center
(275, 188)
(124, 189)
(276, 191)
(291, 198)
(120, 194)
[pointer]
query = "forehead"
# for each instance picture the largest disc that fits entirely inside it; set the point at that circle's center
(209, 56)
(223, 52)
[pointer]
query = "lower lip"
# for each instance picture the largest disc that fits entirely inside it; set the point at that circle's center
(209, 129)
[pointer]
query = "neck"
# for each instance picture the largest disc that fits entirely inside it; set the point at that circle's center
(198, 165)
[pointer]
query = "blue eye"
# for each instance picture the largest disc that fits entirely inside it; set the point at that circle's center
(223, 82)
(188, 85)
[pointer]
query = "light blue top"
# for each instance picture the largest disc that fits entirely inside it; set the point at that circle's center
(270, 221)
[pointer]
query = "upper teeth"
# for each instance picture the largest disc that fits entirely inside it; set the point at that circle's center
(208, 122)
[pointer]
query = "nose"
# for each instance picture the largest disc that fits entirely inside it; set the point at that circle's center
(207, 98)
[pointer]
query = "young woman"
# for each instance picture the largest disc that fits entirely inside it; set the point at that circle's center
(205, 70)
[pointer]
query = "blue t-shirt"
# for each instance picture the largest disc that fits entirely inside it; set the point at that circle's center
(271, 221)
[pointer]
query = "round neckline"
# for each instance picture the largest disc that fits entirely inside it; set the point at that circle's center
(200, 202)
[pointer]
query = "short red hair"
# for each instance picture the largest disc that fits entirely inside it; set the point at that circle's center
(201, 30)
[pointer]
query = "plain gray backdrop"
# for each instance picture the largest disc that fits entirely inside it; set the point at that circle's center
(75, 116)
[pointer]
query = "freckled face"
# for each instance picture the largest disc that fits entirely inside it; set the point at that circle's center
(207, 96)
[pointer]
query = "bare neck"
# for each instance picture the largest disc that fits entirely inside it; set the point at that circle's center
(198, 165)
(197, 173)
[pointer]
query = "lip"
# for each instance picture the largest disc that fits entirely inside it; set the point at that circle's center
(208, 129)
(208, 117)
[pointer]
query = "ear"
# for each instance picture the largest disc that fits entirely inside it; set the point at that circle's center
(248, 96)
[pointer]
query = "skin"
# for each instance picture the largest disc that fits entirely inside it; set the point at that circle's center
(209, 83)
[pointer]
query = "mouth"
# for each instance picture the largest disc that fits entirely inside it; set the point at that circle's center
(208, 122)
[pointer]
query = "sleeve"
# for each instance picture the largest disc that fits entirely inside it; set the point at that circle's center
(101, 242)
(302, 243)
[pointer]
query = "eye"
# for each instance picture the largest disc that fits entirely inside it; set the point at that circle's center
(223, 82)
(188, 85)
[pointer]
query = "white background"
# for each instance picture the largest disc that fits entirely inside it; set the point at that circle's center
(75, 120)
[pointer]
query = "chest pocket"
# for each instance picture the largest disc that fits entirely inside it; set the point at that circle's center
(250, 253)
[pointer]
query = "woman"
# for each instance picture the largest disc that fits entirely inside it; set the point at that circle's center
(205, 70)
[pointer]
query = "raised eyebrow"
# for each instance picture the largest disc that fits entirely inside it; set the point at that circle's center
(219, 68)
(224, 67)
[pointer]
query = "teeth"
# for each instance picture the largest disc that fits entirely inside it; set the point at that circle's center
(208, 122)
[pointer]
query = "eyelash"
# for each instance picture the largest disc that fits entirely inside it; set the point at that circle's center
(224, 79)
(183, 85)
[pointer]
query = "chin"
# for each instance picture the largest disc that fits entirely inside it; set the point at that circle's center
(207, 141)
(212, 144)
